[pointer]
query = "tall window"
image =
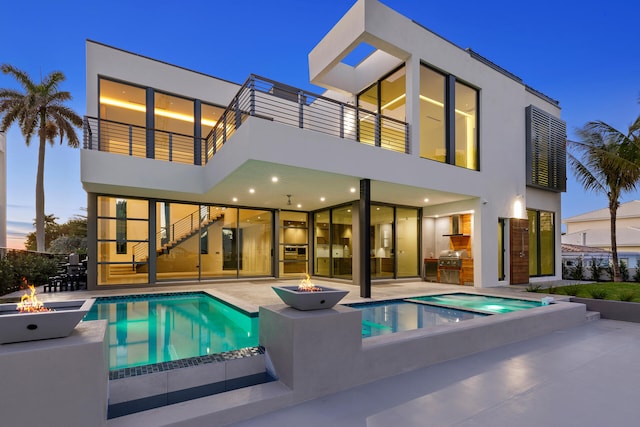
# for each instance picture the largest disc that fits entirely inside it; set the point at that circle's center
(294, 245)
(432, 117)
(174, 128)
(465, 127)
(541, 243)
(448, 119)
(122, 118)
(386, 97)
(122, 240)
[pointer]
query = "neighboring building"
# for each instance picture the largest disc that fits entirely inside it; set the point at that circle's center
(578, 261)
(3, 190)
(420, 148)
(594, 229)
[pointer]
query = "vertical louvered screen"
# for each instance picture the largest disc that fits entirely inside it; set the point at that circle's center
(546, 150)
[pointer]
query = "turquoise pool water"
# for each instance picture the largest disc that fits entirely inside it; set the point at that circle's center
(483, 303)
(146, 329)
(386, 317)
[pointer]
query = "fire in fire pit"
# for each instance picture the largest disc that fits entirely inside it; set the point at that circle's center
(306, 285)
(29, 302)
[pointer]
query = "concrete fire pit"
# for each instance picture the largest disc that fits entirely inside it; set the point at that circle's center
(309, 300)
(18, 327)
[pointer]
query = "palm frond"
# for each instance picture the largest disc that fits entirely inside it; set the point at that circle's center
(22, 77)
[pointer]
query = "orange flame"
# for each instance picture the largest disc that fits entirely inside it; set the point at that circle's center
(306, 285)
(29, 303)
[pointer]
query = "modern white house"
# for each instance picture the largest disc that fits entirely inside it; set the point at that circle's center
(594, 229)
(422, 160)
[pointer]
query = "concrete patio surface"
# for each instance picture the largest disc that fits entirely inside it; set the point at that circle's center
(579, 376)
(582, 376)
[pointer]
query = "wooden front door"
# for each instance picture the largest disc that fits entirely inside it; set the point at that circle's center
(519, 251)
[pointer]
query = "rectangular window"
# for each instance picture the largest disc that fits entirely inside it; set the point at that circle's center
(385, 102)
(448, 119)
(432, 115)
(174, 128)
(541, 243)
(122, 240)
(466, 126)
(122, 118)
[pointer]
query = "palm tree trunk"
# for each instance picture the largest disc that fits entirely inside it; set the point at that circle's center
(613, 209)
(40, 234)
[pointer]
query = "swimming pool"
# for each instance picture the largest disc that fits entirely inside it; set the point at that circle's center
(386, 317)
(482, 303)
(147, 329)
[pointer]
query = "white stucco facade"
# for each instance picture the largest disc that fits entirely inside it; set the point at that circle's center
(327, 161)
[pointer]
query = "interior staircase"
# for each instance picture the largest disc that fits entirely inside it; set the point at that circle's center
(177, 233)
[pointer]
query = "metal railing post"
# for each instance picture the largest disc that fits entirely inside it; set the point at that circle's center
(407, 146)
(238, 117)
(130, 141)
(300, 109)
(170, 146)
(224, 129)
(376, 133)
(215, 142)
(341, 120)
(252, 96)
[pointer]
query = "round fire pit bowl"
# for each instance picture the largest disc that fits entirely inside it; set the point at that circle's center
(305, 300)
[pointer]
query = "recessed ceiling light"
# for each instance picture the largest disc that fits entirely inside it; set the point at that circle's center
(348, 210)
(235, 199)
(251, 190)
(322, 199)
(299, 205)
(274, 179)
(353, 190)
(426, 200)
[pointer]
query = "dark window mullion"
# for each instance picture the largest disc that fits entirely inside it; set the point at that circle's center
(151, 125)
(450, 119)
(197, 132)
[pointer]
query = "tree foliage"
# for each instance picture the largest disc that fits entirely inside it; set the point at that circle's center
(65, 238)
(607, 161)
(39, 110)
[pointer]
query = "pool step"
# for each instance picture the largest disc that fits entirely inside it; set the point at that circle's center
(592, 315)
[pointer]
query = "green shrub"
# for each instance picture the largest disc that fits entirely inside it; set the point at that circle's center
(34, 267)
(624, 271)
(571, 290)
(636, 275)
(627, 296)
(595, 269)
(578, 271)
(551, 290)
(609, 271)
(598, 293)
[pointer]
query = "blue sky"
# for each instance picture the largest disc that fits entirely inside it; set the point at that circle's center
(582, 53)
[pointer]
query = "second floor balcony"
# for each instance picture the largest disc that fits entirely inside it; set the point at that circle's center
(260, 98)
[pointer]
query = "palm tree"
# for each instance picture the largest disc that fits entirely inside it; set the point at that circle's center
(39, 109)
(607, 161)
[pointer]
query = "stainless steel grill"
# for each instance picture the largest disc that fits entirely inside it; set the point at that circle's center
(450, 264)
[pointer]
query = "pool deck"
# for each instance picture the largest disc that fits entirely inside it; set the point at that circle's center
(581, 376)
(584, 375)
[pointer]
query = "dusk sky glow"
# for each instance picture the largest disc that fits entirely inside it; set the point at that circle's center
(582, 53)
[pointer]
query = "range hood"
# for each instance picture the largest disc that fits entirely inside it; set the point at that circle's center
(455, 226)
